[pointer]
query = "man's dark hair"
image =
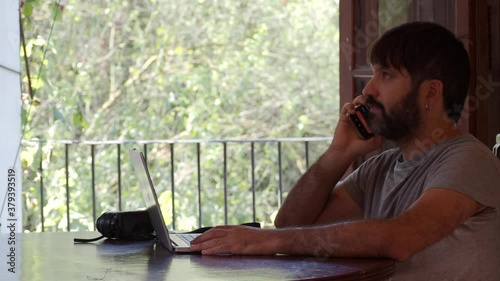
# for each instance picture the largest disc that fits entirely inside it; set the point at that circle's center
(427, 51)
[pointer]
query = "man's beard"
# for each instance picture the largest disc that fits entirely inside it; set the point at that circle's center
(401, 122)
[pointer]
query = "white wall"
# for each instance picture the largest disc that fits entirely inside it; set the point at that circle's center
(10, 120)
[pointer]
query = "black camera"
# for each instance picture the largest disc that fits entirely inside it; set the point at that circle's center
(129, 225)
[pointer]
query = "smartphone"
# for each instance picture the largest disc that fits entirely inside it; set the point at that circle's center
(359, 121)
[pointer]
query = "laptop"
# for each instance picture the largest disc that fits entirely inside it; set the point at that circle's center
(178, 242)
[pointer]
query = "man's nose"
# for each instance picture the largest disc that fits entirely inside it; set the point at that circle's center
(370, 89)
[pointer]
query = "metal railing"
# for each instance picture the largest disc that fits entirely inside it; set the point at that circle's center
(172, 149)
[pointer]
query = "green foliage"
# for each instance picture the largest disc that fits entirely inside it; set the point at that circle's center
(132, 70)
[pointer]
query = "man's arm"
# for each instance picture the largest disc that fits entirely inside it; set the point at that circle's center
(311, 200)
(435, 215)
(339, 207)
(312, 194)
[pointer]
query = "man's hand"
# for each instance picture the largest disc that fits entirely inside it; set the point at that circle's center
(346, 137)
(236, 240)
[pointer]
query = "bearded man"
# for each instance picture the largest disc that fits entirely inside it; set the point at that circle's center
(431, 203)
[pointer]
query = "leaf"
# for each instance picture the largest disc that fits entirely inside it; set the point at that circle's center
(59, 116)
(27, 9)
(79, 121)
(38, 42)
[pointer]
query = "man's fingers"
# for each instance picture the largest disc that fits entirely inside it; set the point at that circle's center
(350, 107)
(214, 241)
(212, 247)
(215, 232)
(217, 250)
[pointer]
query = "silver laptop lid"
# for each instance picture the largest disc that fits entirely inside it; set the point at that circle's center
(149, 194)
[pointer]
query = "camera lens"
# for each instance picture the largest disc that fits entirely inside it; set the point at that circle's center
(105, 224)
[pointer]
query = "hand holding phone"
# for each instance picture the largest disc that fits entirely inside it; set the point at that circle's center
(359, 121)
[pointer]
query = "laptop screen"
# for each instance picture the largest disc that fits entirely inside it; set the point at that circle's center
(149, 194)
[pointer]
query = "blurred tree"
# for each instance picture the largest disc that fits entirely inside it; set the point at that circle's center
(176, 69)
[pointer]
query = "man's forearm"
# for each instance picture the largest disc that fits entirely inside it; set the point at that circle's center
(307, 198)
(364, 238)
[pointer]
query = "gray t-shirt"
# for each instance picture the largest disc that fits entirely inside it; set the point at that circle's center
(385, 187)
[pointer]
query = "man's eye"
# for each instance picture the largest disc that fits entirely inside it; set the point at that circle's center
(385, 75)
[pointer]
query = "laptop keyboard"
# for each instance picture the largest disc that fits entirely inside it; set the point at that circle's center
(188, 237)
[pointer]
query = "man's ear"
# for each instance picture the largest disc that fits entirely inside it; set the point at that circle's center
(434, 92)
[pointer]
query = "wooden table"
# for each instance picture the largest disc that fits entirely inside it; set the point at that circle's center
(54, 256)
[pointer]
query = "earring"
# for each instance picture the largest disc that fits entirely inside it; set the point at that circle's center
(427, 107)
